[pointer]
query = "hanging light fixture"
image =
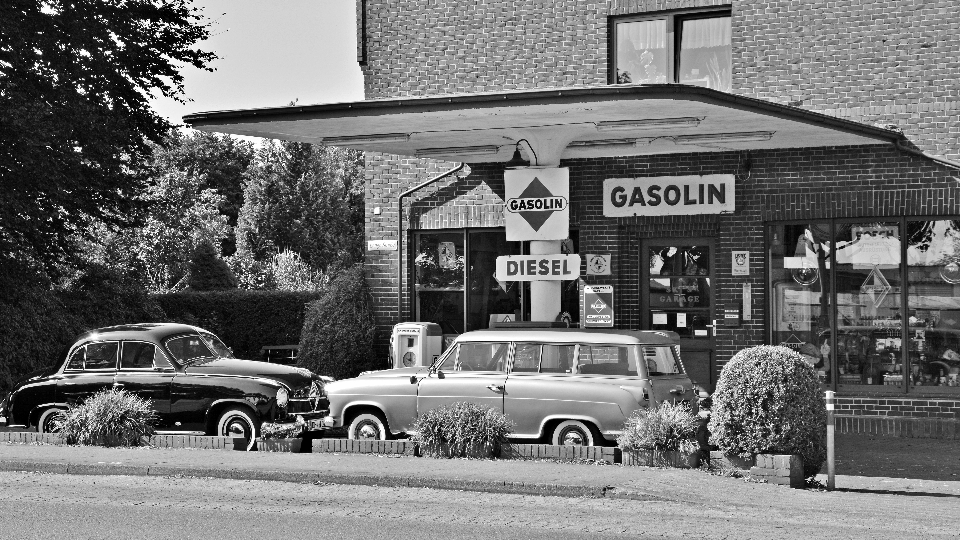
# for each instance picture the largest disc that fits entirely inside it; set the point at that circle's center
(517, 160)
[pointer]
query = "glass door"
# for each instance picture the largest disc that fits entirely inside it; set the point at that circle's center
(676, 294)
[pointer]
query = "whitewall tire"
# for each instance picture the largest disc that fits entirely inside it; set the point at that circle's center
(368, 427)
(573, 433)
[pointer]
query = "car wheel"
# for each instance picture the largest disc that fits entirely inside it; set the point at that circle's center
(239, 423)
(368, 427)
(45, 424)
(573, 433)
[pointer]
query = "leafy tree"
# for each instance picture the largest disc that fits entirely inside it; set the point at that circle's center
(304, 199)
(218, 162)
(180, 215)
(208, 272)
(75, 121)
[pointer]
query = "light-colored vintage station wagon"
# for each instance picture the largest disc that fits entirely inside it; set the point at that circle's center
(567, 386)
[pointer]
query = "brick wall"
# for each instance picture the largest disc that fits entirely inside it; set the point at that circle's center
(856, 59)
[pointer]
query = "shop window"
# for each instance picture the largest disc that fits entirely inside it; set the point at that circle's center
(455, 282)
(686, 48)
(866, 333)
(679, 290)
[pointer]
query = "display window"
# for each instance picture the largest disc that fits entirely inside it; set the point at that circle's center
(872, 304)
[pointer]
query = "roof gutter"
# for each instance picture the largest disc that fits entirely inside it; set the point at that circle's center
(400, 232)
(946, 162)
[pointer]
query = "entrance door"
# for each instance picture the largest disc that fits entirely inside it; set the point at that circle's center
(676, 294)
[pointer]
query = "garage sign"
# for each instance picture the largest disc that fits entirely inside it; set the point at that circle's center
(538, 267)
(537, 205)
(668, 195)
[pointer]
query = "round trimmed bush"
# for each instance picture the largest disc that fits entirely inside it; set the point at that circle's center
(769, 401)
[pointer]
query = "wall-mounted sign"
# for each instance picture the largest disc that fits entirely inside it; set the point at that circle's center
(597, 306)
(598, 265)
(381, 245)
(537, 205)
(538, 267)
(747, 301)
(741, 263)
(668, 195)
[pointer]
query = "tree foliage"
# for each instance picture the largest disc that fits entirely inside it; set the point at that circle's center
(75, 82)
(304, 199)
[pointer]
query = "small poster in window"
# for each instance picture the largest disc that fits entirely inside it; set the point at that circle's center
(681, 320)
(447, 256)
(659, 319)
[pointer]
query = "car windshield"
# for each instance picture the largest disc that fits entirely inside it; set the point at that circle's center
(218, 347)
(189, 349)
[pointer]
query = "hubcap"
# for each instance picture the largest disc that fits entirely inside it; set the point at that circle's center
(368, 431)
(572, 438)
(236, 428)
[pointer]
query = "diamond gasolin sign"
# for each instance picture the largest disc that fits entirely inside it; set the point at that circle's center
(597, 306)
(537, 205)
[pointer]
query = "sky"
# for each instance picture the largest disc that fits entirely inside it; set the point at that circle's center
(273, 52)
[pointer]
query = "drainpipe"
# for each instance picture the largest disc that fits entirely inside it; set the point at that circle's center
(400, 232)
(899, 144)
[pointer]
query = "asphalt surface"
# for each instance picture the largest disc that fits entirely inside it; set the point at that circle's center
(502, 476)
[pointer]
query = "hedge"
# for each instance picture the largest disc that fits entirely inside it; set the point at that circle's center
(40, 321)
(245, 320)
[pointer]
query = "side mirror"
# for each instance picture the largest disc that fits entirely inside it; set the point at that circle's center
(439, 374)
(413, 379)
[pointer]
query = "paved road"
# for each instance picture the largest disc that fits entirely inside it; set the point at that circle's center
(39, 505)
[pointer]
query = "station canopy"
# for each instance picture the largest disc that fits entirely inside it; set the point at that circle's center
(561, 123)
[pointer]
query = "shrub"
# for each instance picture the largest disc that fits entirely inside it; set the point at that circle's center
(108, 418)
(244, 320)
(666, 427)
(768, 401)
(339, 329)
(208, 272)
(271, 430)
(462, 429)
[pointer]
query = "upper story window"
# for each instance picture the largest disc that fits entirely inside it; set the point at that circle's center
(686, 48)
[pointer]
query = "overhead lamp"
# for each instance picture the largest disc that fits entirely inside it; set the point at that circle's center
(347, 140)
(458, 151)
(651, 123)
(603, 142)
(517, 160)
(721, 138)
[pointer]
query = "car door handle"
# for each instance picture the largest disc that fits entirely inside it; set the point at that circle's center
(495, 387)
(678, 391)
(118, 385)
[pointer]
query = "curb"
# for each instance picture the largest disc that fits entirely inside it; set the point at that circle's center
(489, 486)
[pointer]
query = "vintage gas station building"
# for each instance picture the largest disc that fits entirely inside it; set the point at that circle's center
(741, 173)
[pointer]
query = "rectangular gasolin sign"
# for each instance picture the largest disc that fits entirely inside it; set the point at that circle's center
(537, 205)
(668, 195)
(538, 267)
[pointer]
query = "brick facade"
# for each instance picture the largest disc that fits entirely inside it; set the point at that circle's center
(855, 59)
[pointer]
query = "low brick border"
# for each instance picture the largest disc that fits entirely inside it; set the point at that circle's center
(159, 441)
(509, 451)
(782, 469)
(900, 426)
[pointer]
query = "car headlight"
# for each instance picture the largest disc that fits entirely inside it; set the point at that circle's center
(282, 397)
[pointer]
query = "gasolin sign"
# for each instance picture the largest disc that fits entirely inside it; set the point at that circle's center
(537, 204)
(668, 195)
(538, 267)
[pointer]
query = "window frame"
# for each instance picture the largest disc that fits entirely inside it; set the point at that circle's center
(674, 20)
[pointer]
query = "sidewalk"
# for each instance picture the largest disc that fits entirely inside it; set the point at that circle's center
(506, 476)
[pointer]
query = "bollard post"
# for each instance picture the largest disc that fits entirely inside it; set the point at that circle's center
(831, 471)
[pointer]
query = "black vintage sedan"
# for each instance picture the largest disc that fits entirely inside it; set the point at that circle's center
(190, 376)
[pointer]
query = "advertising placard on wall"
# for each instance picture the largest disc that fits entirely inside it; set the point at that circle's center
(537, 204)
(597, 306)
(668, 195)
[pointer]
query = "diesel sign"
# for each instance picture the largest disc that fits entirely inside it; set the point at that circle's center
(538, 267)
